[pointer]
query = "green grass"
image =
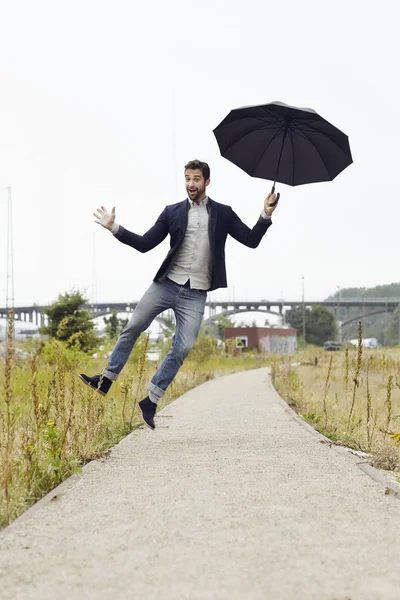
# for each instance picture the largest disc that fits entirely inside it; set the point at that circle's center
(51, 424)
(351, 396)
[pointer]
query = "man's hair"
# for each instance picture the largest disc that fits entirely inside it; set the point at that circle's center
(198, 164)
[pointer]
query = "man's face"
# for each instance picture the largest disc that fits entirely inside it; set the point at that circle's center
(195, 184)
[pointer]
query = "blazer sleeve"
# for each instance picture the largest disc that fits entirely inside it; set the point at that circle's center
(149, 240)
(243, 234)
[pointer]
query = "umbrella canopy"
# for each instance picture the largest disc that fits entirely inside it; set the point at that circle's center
(283, 143)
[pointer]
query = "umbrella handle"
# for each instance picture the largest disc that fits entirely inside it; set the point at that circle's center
(277, 196)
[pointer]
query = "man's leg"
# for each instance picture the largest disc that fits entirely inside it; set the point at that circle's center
(189, 311)
(158, 297)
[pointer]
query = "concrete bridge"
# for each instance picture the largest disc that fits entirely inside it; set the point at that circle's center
(367, 306)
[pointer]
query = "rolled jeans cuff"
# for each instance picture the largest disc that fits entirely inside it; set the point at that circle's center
(156, 392)
(110, 375)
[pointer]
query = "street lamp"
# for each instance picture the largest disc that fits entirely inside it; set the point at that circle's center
(10, 255)
(304, 312)
(283, 316)
(338, 313)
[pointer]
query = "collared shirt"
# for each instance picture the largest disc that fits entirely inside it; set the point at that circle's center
(193, 260)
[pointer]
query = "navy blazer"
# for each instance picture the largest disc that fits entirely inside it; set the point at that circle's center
(173, 221)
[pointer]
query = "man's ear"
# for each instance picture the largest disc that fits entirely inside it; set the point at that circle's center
(207, 182)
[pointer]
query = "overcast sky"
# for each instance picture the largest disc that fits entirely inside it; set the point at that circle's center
(103, 102)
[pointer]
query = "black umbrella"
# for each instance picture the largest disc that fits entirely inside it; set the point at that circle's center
(283, 143)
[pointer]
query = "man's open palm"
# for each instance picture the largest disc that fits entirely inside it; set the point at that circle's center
(104, 218)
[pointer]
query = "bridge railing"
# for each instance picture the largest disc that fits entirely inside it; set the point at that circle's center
(252, 304)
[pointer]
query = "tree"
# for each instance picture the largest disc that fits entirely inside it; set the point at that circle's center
(222, 322)
(320, 323)
(321, 326)
(393, 330)
(205, 347)
(114, 325)
(70, 323)
(294, 317)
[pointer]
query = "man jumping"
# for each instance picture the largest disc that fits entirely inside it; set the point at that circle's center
(195, 264)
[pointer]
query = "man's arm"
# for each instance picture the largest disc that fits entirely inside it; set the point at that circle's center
(252, 237)
(154, 236)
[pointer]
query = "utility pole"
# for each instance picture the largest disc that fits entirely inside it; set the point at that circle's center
(10, 257)
(304, 312)
(94, 271)
(338, 314)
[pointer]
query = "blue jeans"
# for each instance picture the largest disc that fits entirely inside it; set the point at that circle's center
(188, 306)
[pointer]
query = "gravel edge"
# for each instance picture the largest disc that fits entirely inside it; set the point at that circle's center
(392, 487)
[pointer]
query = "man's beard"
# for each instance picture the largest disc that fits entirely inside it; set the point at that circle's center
(198, 194)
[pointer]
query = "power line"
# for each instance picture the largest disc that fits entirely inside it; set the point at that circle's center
(10, 255)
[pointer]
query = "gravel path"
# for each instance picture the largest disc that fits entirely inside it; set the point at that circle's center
(228, 498)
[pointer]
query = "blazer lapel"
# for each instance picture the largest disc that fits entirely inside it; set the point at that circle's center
(183, 216)
(213, 221)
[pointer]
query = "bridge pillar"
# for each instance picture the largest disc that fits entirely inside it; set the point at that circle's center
(339, 330)
(398, 323)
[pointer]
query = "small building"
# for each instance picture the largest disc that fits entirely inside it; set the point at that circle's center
(279, 340)
(22, 330)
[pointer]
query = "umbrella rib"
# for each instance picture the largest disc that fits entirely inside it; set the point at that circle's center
(241, 137)
(309, 122)
(316, 131)
(229, 123)
(274, 115)
(291, 140)
(270, 121)
(268, 145)
(318, 152)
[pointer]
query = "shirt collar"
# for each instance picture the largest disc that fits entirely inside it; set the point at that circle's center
(202, 203)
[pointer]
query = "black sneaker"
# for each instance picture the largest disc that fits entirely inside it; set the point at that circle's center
(148, 411)
(99, 383)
